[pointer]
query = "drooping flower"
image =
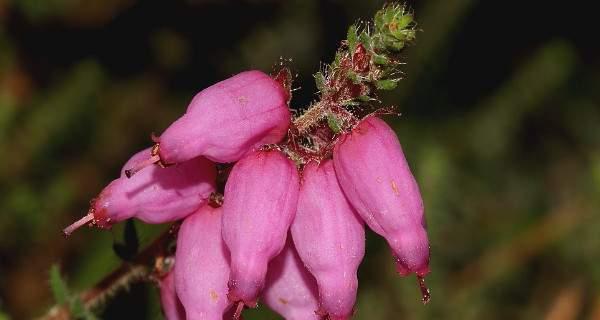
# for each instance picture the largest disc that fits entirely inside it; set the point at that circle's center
(377, 181)
(155, 195)
(290, 289)
(260, 202)
(171, 306)
(330, 239)
(202, 265)
(226, 120)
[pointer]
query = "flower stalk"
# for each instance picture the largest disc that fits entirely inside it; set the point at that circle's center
(368, 61)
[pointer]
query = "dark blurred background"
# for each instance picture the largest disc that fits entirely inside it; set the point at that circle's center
(500, 123)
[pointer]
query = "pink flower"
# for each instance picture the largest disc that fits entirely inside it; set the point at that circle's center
(260, 203)
(171, 306)
(202, 265)
(290, 289)
(330, 239)
(226, 120)
(377, 181)
(155, 195)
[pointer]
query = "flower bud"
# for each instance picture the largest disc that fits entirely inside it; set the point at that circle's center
(226, 120)
(202, 265)
(377, 181)
(290, 289)
(155, 195)
(330, 239)
(171, 306)
(260, 202)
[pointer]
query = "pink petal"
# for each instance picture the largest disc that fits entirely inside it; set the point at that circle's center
(226, 120)
(156, 195)
(330, 239)
(171, 306)
(290, 289)
(202, 265)
(376, 179)
(260, 203)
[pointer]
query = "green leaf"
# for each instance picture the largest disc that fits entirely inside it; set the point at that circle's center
(333, 123)
(386, 84)
(58, 286)
(404, 21)
(378, 21)
(337, 59)
(366, 40)
(364, 98)
(79, 311)
(380, 59)
(353, 76)
(350, 103)
(352, 37)
(320, 81)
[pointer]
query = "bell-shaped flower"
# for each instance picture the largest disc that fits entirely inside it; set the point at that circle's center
(260, 202)
(377, 181)
(171, 306)
(290, 289)
(155, 195)
(330, 239)
(226, 120)
(202, 265)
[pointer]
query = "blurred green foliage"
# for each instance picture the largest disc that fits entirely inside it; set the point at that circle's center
(500, 122)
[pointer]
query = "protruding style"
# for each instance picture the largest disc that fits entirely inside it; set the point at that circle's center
(260, 202)
(330, 239)
(154, 195)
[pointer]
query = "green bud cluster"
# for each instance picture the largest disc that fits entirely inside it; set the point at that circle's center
(368, 61)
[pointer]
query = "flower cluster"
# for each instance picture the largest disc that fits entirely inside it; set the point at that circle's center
(289, 226)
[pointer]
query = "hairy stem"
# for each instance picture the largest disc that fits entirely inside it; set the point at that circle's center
(146, 266)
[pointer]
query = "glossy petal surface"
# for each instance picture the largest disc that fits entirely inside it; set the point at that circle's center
(156, 195)
(202, 265)
(171, 306)
(377, 180)
(260, 202)
(228, 119)
(330, 239)
(290, 289)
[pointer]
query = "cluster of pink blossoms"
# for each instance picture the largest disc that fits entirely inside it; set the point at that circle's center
(290, 234)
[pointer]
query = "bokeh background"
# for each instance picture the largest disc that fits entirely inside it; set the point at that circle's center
(500, 123)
